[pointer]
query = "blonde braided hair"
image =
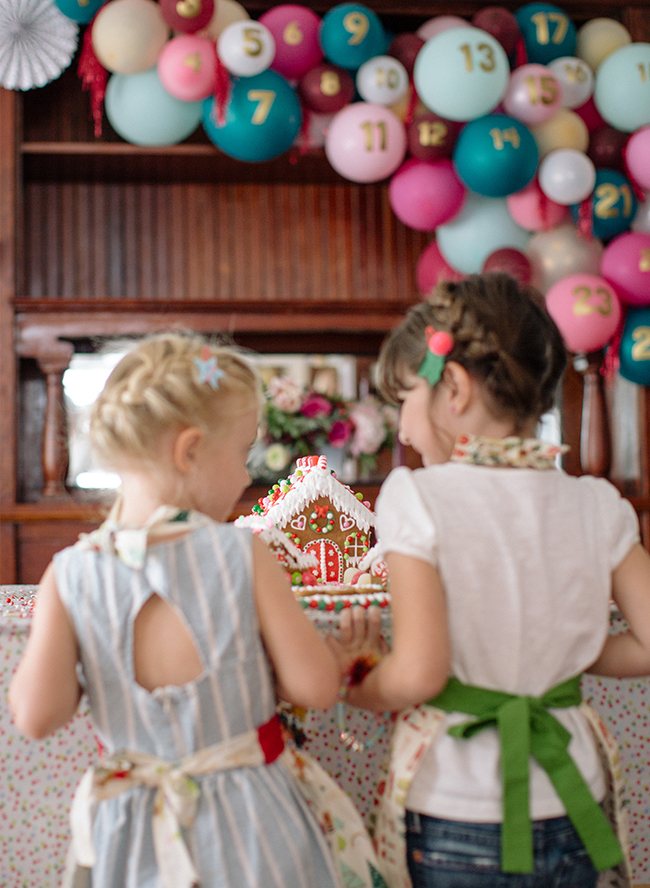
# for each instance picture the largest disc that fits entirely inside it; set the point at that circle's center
(157, 386)
(503, 336)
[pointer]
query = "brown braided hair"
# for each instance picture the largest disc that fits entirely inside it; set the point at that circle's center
(503, 336)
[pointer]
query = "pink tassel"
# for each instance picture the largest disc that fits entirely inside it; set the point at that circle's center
(94, 77)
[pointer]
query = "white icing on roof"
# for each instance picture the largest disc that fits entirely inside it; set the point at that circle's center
(270, 534)
(307, 484)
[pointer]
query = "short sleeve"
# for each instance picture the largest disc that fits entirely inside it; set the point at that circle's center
(404, 524)
(618, 521)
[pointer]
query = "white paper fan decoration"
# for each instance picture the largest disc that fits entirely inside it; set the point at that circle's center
(37, 43)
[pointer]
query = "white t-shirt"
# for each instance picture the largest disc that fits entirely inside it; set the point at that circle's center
(526, 557)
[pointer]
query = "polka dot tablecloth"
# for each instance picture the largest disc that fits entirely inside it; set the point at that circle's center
(38, 778)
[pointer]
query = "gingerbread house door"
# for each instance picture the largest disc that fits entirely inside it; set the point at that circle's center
(330, 560)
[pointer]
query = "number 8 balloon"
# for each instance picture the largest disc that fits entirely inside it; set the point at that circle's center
(462, 73)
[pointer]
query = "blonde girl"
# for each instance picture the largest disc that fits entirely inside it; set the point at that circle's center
(501, 569)
(181, 629)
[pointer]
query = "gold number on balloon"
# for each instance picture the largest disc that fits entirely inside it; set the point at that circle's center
(389, 78)
(644, 72)
(264, 99)
(433, 132)
(253, 45)
(544, 91)
(541, 20)
(292, 35)
(644, 259)
(501, 136)
(582, 306)
(641, 348)
(607, 196)
(330, 83)
(486, 62)
(188, 8)
(368, 127)
(575, 73)
(357, 24)
(193, 61)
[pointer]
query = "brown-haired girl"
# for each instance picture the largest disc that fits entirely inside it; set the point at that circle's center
(501, 571)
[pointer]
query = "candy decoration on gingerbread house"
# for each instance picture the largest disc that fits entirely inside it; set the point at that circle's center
(321, 515)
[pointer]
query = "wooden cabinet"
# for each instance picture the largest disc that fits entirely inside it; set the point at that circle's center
(99, 238)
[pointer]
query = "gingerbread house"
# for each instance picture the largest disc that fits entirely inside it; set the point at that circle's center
(321, 516)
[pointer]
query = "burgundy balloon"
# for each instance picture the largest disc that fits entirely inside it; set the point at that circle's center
(512, 262)
(606, 146)
(405, 48)
(326, 88)
(430, 137)
(501, 24)
(187, 16)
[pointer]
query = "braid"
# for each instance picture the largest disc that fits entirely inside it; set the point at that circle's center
(503, 336)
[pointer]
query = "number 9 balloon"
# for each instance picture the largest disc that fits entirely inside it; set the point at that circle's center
(350, 34)
(586, 310)
(634, 350)
(246, 48)
(461, 73)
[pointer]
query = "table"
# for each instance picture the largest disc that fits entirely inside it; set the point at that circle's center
(38, 778)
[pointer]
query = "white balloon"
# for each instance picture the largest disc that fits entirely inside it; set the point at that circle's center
(382, 80)
(246, 48)
(560, 252)
(566, 176)
(641, 221)
(576, 79)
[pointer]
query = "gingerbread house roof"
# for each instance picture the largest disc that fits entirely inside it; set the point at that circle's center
(310, 481)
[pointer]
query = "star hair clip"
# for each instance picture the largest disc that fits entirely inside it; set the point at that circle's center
(439, 345)
(209, 370)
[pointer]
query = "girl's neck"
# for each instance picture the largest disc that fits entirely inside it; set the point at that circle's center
(139, 499)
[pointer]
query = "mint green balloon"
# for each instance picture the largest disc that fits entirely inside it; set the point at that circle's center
(140, 109)
(622, 92)
(483, 225)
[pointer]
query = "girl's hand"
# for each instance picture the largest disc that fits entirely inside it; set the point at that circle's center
(360, 643)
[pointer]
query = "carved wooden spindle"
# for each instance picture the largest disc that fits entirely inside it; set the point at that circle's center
(595, 434)
(53, 362)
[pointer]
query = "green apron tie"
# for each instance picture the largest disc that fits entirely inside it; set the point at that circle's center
(527, 728)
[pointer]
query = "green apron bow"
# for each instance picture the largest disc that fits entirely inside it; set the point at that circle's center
(527, 728)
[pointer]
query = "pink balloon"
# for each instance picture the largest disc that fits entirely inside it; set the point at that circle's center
(637, 157)
(187, 67)
(295, 31)
(626, 265)
(533, 94)
(512, 262)
(533, 210)
(365, 143)
(586, 310)
(424, 195)
(440, 23)
(432, 267)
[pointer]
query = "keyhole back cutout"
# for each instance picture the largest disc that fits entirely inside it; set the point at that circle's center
(164, 652)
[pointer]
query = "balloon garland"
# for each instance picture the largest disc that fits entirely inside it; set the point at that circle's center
(521, 142)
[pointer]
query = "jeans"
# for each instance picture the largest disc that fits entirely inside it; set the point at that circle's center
(453, 854)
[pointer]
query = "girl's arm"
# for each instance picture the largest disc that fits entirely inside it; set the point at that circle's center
(306, 670)
(45, 691)
(417, 667)
(628, 655)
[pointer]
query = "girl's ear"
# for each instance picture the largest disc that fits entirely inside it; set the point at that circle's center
(458, 384)
(186, 447)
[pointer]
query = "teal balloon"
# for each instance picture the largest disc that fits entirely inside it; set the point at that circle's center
(613, 205)
(82, 12)
(548, 32)
(483, 226)
(496, 155)
(351, 34)
(634, 350)
(461, 73)
(262, 120)
(622, 91)
(140, 109)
